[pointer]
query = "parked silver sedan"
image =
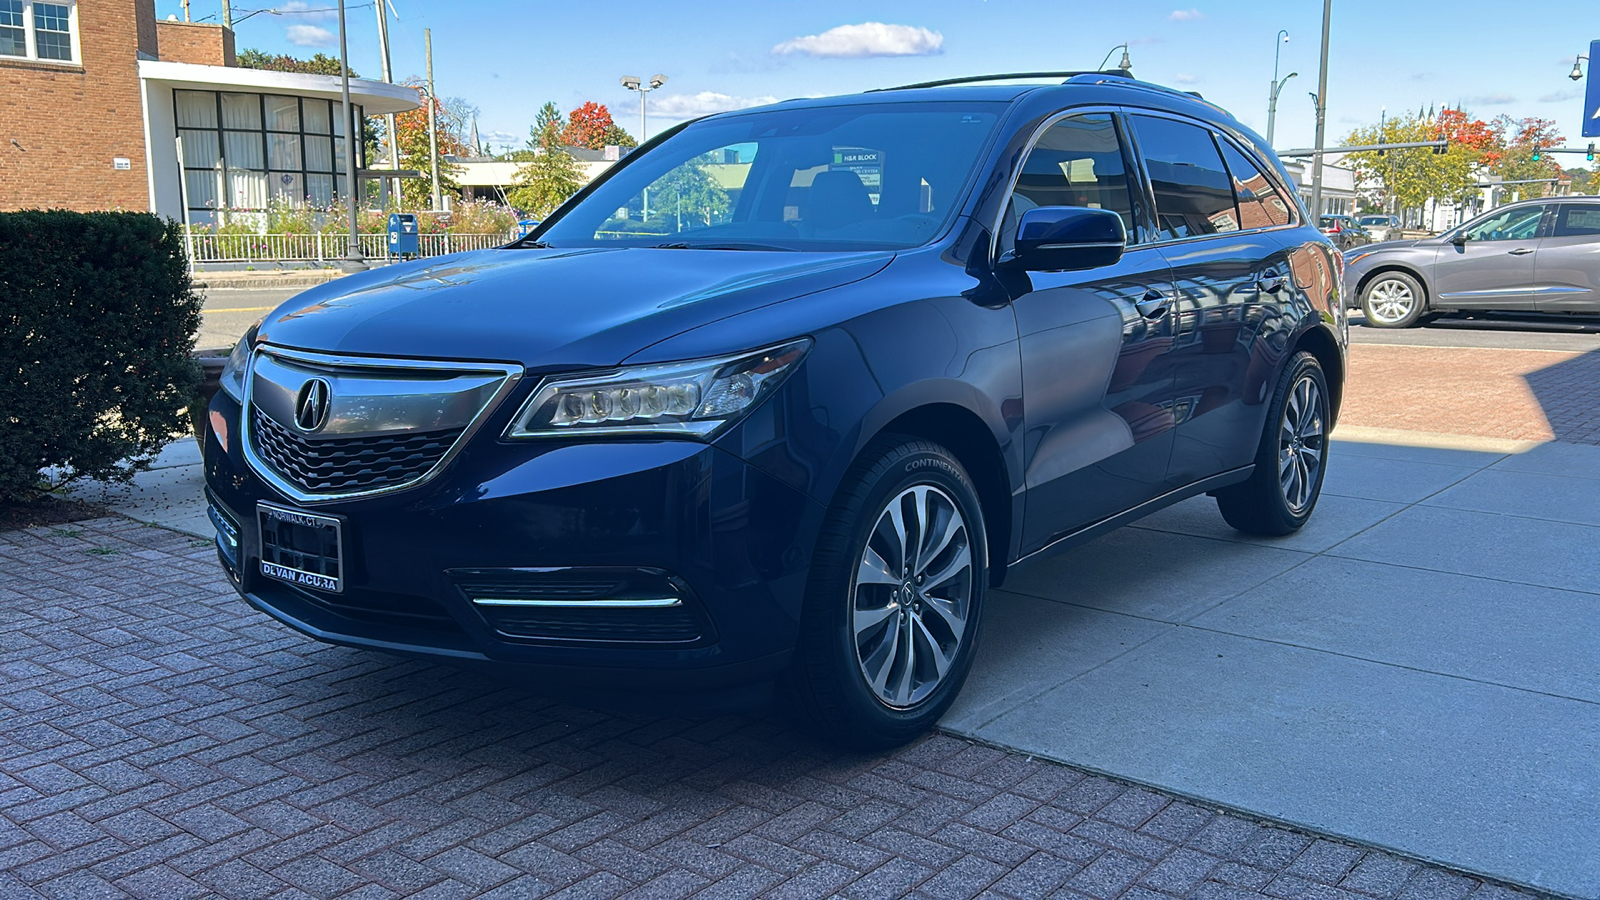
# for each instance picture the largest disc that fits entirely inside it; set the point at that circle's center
(1534, 256)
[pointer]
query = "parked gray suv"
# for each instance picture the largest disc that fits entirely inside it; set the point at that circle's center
(1540, 256)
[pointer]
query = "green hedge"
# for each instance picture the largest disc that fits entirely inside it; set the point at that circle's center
(96, 323)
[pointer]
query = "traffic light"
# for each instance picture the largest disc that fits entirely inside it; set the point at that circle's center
(1439, 147)
(1537, 153)
(1590, 157)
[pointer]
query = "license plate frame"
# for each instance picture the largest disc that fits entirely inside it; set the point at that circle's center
(289, 563)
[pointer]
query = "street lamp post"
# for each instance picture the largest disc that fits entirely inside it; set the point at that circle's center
(1577, 68)
(634, 84)
(1277, 86)
(353, 260)
(1322, 114)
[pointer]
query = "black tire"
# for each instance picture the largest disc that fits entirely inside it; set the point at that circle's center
(1381, 300)
(828, 683)
(1263, 505)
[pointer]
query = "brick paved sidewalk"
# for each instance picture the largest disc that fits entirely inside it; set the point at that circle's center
(1538, 395)
(159, 739)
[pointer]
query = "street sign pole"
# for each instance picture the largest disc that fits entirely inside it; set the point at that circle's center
(1591, 97)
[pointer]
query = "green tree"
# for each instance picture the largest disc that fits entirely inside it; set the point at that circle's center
(320, 64)
(1520, 139)
(550, 175)
(687, 197)
(1408, 179)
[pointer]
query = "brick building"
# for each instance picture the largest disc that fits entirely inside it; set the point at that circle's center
(96, 99)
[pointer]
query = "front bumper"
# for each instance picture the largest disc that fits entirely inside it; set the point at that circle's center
(730, 541)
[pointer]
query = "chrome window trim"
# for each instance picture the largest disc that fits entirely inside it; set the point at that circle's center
(648, 603)
(512, 375)
(1022, 160)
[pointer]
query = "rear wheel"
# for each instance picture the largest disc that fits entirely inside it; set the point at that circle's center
(1393, 300)
(1291, 459)
(895, 598)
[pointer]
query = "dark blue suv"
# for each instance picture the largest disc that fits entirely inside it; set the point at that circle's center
(780, 396)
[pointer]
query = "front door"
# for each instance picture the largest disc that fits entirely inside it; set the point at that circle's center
(1493, 267)
(1567, 265)
(1096, 376)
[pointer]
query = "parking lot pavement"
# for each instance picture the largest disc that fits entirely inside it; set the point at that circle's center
(159, 739)
(1418, 668)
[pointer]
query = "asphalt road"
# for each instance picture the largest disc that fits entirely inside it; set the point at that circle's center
(229, 311)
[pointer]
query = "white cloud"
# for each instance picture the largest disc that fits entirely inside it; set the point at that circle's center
(1491, 100)
(866, 39)
(688, 106)
(310, 36)
(1185, 78)
(1185, 15)
(307, 12)
(1562, 96)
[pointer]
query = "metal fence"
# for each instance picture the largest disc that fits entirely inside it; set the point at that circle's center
(207, 248)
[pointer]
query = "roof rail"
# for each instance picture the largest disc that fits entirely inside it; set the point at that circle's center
(975, 79)
(1127, 80)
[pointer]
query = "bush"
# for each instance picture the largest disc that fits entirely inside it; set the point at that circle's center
(96, 323)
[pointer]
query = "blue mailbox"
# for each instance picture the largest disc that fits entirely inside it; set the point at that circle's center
(402, 234)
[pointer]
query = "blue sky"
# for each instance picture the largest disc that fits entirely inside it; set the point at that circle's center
(509, 56)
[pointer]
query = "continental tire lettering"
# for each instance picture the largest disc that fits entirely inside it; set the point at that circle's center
(948, 469)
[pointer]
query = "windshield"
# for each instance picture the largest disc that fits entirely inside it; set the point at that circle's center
(1373, 220)
(870, 177)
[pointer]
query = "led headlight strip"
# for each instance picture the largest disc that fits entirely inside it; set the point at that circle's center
(696, 398)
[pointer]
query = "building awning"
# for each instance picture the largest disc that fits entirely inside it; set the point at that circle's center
(375, 97)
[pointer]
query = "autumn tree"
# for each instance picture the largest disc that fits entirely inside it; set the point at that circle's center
(1411, 177)
(591, 126)
(411, 128)
(1520, 140)
(550, 175)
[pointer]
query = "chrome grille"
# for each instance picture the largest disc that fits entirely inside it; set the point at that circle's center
(330, 465)
(386, 424)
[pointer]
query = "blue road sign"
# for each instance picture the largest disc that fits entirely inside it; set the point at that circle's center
(1591, 97)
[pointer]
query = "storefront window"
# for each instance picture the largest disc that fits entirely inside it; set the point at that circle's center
(243, 151)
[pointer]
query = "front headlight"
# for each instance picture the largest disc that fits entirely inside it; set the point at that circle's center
(238, 361)
(697, 398)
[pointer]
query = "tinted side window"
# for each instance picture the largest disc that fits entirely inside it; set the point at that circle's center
(1520, 224)
(1578, 221)
(1077, 162)
(1260, 206)
(1193, 194)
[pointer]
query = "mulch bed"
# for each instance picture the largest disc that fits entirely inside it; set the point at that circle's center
(47, 511)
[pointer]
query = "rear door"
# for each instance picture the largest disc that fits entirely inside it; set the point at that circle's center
(1231, 266)
(1493, 268)
(1567, 264)
(1095, 345)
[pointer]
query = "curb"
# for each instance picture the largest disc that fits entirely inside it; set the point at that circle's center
(264, 280)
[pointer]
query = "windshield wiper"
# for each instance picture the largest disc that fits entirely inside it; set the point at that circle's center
(685, 245)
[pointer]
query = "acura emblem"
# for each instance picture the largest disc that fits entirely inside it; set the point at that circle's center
(311, 406)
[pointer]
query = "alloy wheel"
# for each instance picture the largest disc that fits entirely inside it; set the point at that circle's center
(1301, 443)
(912, 595)
(1390, 301)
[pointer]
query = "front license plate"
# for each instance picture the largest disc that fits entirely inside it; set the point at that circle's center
(301, 548)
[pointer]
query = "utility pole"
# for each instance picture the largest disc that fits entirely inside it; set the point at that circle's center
(388, 78)
(1277, 86)
(227, 15)
(353, 261)
(433, 123)
(1322, 116)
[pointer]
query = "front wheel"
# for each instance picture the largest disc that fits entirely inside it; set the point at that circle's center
(1291, 459)
(895, 597)
(1393, 300)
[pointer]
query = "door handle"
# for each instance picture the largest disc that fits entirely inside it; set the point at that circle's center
(1521, 251)
(1271, 282)
(1153, 305)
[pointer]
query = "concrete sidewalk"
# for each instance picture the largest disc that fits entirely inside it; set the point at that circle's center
(1417, 670)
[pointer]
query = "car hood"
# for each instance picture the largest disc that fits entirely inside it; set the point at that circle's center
(552, 308)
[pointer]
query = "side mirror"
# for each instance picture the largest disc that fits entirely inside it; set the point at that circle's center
(1057, 238)
(1459, 239)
